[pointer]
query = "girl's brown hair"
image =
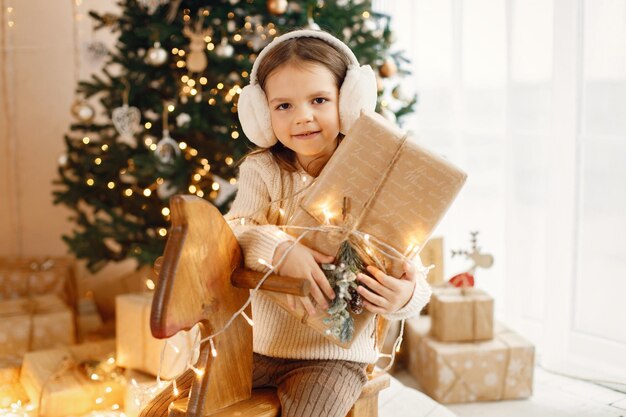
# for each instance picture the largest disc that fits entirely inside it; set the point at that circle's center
(299, 51)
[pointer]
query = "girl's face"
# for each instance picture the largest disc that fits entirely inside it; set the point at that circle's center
(304, 109)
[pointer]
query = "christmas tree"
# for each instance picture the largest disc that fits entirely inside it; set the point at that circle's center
(170, 90)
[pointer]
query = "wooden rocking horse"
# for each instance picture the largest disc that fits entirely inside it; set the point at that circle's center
(202, 280)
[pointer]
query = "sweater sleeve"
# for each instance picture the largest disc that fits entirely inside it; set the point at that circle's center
(248, 216)
(420, 297)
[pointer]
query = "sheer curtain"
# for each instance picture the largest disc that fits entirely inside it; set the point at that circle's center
(529, 97)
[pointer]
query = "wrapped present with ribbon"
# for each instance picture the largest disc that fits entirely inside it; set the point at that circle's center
(381, 194)
(461, 314)
(39, 322)
(74, 380)
(24, 277)
(138, 349)
(499, 369)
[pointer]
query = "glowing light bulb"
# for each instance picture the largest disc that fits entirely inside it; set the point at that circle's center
(150, 284)
(165, 211)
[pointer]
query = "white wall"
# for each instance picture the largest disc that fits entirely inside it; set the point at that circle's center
(37, 83)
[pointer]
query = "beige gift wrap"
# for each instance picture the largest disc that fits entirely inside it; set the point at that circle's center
(378, 182)
(138, 349)
(23, 277)
(499, 369)
(57, 381)
(461, 314)
(34, 323)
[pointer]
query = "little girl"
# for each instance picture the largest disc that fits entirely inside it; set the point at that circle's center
(306, 89)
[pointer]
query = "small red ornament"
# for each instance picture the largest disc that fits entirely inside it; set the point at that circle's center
(462, 280)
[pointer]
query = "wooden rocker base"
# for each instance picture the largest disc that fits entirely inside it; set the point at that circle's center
(263, 403)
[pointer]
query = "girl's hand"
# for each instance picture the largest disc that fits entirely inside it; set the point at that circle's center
(386, 294)
(302, 262)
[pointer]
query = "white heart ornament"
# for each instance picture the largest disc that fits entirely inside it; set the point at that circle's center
(127, 120)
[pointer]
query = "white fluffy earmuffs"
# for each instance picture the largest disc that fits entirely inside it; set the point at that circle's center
(358, 92)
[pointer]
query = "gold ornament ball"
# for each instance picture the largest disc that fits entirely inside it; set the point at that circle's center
(277, 7)
(83, 111)
(388, 69)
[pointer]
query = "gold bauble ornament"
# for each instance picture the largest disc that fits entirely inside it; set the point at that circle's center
(83, 111)
(388, 69)
(277, 7)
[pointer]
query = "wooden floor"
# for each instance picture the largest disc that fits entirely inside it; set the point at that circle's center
(554, 396)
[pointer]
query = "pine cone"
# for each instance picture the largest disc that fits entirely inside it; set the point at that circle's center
(356, 302)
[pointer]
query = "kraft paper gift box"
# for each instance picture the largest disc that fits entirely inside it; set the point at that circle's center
(138, 349)
(40, 322)
(461, 314)
(65, 381)
(380, 183)
(24, 277)
(499, 369)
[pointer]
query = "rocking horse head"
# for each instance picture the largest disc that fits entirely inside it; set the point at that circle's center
(194, 281)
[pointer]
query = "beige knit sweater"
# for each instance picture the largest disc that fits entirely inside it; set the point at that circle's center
(276, 332)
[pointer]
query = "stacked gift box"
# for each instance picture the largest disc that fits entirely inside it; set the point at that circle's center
(458, 354)
(37, 311)
(41, 365)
